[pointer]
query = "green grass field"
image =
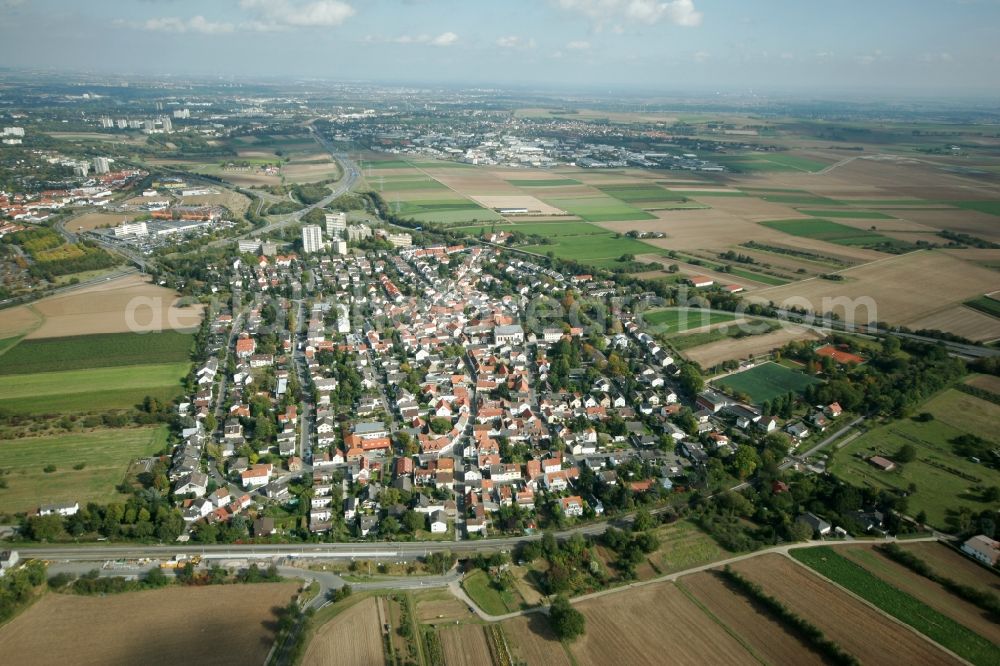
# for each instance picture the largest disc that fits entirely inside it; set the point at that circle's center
(752, 162)
(849, 213)
(831, 232)
(678, 321)
(944, 479)
(905, 608)
(95, 389)
(683, 545)
(600, 209)
(642, 194)
(477, 586)
(985, 304)
(766, 382)
(406, 183)
(385, 164)
(95, 351)
(990, 207)
(551, 182)
(105, 454)
(587, 244)
(444, 211)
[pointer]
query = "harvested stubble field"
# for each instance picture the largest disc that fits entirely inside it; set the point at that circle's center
(961, 320)
(898, 297)
(532, 642)
(925, 590)
(857, 628)
(650, 624)
(765, 635)
(989, 383)
(352, 638)
(223, 625)
(103, 307)
(714, 353)
(465, 645)
(439, 606)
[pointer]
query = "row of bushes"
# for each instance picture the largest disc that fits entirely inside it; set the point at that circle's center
(988, 601)
(807, 630)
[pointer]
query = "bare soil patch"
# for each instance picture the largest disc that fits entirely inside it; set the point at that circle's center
(465, 645)
(232, 624)
(954, 565)
(651, 624)
(531, 641)
(861, 630)
(533, 204)
(891, 284)
(353, 638)
(962, 321)
(17, 321)
(766, 635)
(989, 383)
(107, 307)
(715, 353)
(92, 221)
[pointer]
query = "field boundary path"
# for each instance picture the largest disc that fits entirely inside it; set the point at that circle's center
(783, 549)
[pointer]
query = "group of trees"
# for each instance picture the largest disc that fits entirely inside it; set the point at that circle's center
(18, 586)
(146, 515)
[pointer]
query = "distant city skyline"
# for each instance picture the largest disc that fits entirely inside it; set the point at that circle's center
(940, 48)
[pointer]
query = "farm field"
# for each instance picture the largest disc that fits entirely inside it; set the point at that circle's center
(95, 351)
(629, 629)
(945, 561)
(831, 232)
(989, 383)
(531, 641)
(544, 182)
(990, 306)
(106, 455)
(712, 354)
(683, 545)
(643, 194)
(888, 285)
(465, 645)
(924, 590)
(216, 626)
(443, 211)
(857, 628)
(91, 389)
(91, 221)
(352, 638)
(945, 631)
(431, 604)
(767, 637)
(678, 321)
(102, 308)
(766, 382)
(849, 213)
(600, 209)
(961, 320)
(944, 479)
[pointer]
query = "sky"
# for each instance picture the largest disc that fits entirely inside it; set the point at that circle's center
(934, 48)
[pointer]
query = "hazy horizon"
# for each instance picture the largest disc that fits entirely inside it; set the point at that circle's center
(775, 46)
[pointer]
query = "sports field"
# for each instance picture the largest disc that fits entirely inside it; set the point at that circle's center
(104, 454)
(766, 382)
(95, 351)
(93, 389)
(945, 480)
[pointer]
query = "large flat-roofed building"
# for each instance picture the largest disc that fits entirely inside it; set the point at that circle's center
(312, 238)
(512, 334)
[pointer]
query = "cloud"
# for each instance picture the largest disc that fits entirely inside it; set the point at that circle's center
(194, 24)
(515, 42)
(579, 45)
(936, 57)
(649, 12)
(277, 14)
(444, 39)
